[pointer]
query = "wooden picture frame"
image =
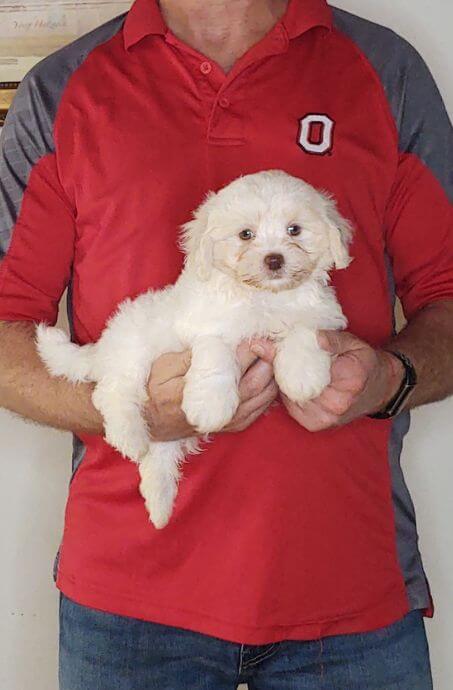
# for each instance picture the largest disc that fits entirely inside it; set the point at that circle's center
(7, 92)
(31, 29)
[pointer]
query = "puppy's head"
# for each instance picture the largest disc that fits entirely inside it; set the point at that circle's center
(269, 231)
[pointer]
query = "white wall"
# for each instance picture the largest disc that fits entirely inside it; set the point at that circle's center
(34, 462)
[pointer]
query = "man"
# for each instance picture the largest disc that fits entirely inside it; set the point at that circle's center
(286, 564)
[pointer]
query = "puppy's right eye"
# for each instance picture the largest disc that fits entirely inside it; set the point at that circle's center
(246, 234)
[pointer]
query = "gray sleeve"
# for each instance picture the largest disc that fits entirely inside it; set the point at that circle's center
(26, 137)
(423, 123)
(420, 116)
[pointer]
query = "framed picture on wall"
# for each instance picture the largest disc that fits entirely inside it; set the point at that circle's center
(32, 29)
(7, 91)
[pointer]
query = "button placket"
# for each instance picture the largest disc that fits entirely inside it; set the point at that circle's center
(224, 102)
(222, 123)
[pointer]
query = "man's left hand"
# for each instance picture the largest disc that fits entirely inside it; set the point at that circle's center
(363, 380)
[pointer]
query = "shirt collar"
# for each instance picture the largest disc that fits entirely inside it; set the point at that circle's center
(303, 15)
(144, 18)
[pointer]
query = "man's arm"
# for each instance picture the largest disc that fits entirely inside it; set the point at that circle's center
(27, 389)
(428, 342)
(37, 239)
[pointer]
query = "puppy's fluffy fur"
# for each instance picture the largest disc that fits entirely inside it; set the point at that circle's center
(229, 290)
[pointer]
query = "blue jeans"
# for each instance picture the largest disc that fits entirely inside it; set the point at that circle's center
(101, 651)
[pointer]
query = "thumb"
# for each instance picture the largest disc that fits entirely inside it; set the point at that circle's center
(264, 349)
(337, 342)
(171, 365)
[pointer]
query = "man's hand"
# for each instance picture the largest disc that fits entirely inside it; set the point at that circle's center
(257, 387)
(363, 381)
(166, 420)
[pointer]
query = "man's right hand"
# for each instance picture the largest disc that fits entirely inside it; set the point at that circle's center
(166, 420)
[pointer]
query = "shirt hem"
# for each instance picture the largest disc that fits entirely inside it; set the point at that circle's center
(388, 611)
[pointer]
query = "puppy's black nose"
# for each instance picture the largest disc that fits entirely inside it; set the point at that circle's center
(274, 261)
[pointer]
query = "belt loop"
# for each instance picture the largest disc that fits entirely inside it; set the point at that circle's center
(241, 654)
(320, 657)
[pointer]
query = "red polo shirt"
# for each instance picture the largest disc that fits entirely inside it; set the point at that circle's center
(110, 144)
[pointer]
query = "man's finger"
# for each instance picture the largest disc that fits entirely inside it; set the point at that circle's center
(267, 395)
(174, 389)
(255, 415)
(170, 365)
(264, 349)
(255, 380)
(245, 356)
(248, 421)
(311, 416)
(348, 374)
(338, 342)
(335, 400)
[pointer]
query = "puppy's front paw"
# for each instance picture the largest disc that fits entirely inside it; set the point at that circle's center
(209, 404)
(302, 376)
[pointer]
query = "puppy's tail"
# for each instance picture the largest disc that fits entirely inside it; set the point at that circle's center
(63, 358)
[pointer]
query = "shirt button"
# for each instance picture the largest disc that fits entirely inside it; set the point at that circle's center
(224, 102)
(205, 67)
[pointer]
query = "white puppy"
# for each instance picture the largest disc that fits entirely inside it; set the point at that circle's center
(258, 254)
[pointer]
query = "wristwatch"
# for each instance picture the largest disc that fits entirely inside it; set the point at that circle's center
(395, 405)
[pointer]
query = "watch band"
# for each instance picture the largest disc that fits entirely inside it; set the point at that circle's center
(395, 405)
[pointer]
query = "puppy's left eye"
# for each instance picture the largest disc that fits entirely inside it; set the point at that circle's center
(246, 234)
(294, 230)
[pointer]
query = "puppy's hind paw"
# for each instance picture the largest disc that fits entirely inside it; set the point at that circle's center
(160, 509)
(159, 494)
(132, 443)
(159, 475)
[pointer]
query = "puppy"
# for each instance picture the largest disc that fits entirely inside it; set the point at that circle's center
(258, 254)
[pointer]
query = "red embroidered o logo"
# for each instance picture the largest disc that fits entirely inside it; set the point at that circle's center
(316, 134)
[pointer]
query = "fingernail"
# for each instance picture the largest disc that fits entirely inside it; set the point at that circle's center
(258, 350)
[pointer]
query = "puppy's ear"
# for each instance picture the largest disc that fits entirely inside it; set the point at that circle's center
(340, 234)
(196, 241)
(204, 257)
